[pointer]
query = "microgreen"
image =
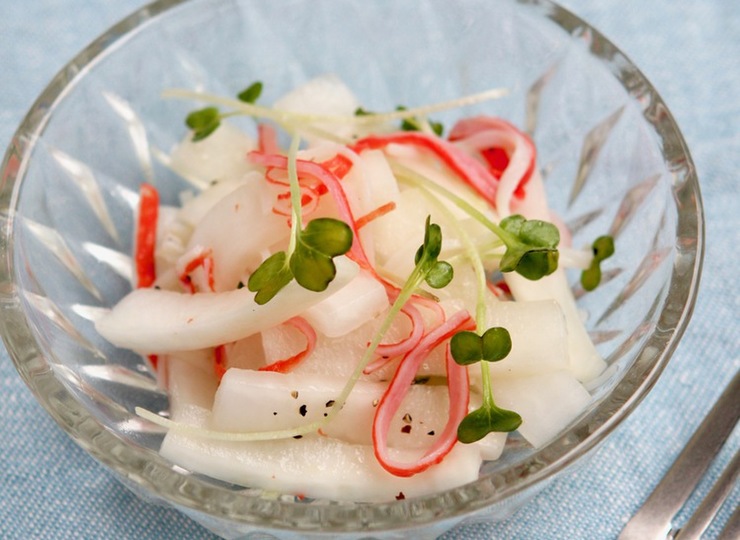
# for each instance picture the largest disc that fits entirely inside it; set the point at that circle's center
(533, 252)
(531, 244)
(205, 121)
(437, 274)
(412, 123)
(270, 277)
(311, 263)
(309, 258)
(415, 124)
(250, 94)
(468, 347)
(484, 420)
(603, 248)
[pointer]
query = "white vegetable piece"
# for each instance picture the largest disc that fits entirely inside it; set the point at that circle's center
(338, 357)
(318, 467)
(194, 209)
(492, 445)
(325, 95)
(363, 299)
(220, 156)
(191, 380)
(152, 321)
(253, 401)
(539, 337)
(585, 361)
(247, 213)
(547, 402)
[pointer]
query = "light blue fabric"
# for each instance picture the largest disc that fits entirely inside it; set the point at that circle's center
(49, 488)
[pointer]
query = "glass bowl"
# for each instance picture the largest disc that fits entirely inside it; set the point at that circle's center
(611, 154)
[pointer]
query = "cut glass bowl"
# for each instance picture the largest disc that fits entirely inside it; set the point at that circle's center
(611, 154)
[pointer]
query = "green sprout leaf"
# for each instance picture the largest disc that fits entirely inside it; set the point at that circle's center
(414, 124)
(531, 247)
(440, 275)
(485, 420)
(495, 344)
(331, 237)
(251, 94)
(270, 277)
(603, 248)
(311, 263)
(437, 274)
(203, 122)
(468, 347)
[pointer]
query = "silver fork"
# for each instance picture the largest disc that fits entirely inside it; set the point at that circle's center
(653, 520)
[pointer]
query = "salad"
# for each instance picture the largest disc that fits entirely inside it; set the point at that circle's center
(353, 305)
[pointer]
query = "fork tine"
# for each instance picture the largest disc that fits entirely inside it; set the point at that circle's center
(704, 514)
(732, 527)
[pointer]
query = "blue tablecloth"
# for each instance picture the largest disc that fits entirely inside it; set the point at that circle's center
(49, 488)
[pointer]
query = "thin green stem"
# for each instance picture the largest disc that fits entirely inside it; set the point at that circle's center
(408, 176)
(480, 306)
(295, 118)
(295, 195)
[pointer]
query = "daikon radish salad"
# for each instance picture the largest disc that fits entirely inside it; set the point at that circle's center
(362, 312)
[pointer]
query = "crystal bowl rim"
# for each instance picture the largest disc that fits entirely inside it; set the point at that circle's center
(142, 468)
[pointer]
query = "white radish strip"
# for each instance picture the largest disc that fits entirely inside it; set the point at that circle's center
(283, 401)
(151, 320)
(246, 213)
(323, 95)
(547, 403)
(191, 380)
(196, 208)
(219, 156)
(316, 467)
(539, 337)
(584, 360)
(363, 299)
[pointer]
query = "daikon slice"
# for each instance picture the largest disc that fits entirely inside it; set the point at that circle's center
(316, 467)
(370, 183)
(492, 445)
(191, 380)
(547, 402)
(363, 299)
(247, 213)
(539, 337)
(195, 208)
(464, 288)
(295, 400)
(338, 357)
(584, 360)
(246, 353)
(324, 95)
(152, 321)
(219, 156)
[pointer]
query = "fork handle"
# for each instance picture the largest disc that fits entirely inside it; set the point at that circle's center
(704, 514)
(653, 520)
